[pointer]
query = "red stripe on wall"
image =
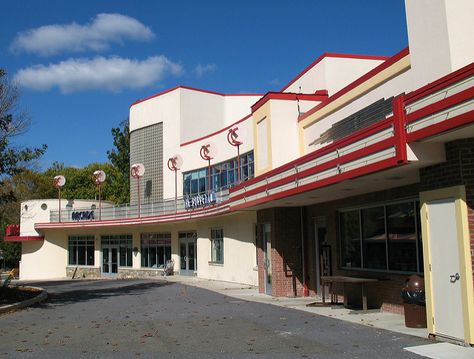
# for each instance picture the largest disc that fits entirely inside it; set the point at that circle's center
(375, 167)
(438, 128)
(354, 137)
(444, 81)
(439, 106)
(217, 132)
(363, 152)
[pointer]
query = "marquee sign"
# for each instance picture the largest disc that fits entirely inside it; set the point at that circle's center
(82, 215)
(201, 200)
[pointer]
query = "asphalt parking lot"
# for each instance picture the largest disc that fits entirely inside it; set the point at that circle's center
(160, 319)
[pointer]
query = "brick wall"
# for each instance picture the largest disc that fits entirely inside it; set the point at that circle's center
(385, 294)
(263, 216)
(457, 170)
(286, 251)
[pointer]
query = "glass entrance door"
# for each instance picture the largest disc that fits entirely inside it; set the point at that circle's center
(110, 260)
(187, 253)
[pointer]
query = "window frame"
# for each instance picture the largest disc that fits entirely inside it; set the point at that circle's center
(217, 251)
(120, 241)
(155, 242)
(418, 240)
(223, 175)
(73, 243)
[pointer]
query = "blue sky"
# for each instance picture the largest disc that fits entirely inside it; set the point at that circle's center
(80, 64)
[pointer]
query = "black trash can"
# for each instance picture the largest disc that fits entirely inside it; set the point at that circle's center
(413, 294)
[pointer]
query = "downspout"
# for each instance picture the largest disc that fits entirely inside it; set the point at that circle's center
(303, 253)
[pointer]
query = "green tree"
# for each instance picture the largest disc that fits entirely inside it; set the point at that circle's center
(80, 184)
(13, 160)
(13, 122)
(120, 159)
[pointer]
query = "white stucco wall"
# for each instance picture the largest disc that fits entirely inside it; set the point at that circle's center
(237, 107)
(239, 249)
(332, 74)
(45, 259)
(284, 132)
(38, 211)
(188, 115)
(396, 86)
(440, 35)
(201, 113)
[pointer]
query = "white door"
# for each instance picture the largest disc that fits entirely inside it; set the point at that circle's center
(445, 269)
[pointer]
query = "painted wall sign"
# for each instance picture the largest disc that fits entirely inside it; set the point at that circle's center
(82, 215)
(201, 200)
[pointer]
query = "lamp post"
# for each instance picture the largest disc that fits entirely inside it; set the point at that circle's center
(58, 182)
(137, 170)
(232, 139)
(99, 177)
(174, 164)
(207, 153)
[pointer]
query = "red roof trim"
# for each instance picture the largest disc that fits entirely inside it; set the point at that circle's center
(215, 133)
(357, 82)
(319, 96)
(192, 89)
(331, 54)
(22, 238)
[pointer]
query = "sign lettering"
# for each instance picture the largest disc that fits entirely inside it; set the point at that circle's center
(201, 200)
(82, 215)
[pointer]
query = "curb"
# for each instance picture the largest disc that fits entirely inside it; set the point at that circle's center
(39, 298)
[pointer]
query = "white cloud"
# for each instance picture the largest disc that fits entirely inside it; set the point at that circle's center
(97, 35)
(200, 70)
(111, 74)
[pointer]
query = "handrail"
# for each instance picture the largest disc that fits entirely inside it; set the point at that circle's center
(165, 207)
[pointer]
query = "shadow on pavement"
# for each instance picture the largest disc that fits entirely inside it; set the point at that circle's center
(69, 292)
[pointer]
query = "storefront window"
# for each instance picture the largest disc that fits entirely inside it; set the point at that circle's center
(217, 245)
(385, 237)
(81, 250)
(223, 175)
(155, 249)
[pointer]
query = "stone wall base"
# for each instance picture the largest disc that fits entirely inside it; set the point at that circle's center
(139, 273)
(82, 272)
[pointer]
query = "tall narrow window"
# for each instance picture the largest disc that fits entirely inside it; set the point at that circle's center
(217, 245)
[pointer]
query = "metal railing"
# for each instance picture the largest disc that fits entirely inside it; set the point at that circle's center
(127, 211)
